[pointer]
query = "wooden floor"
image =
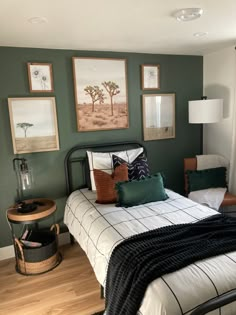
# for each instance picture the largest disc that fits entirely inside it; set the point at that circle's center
(71, 288)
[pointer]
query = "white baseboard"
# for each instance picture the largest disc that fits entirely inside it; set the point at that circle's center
(8, 251)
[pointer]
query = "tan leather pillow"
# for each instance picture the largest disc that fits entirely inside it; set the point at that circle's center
(105, 183)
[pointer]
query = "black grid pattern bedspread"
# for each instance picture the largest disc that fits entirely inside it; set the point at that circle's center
(100, 228)
(142, 258)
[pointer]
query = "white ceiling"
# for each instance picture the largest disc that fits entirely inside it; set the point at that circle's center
(145, 26)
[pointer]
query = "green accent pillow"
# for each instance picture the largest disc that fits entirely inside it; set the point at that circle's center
(137, 192)
(204, 179)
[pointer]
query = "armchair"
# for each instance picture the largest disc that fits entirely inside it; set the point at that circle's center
(191, 164)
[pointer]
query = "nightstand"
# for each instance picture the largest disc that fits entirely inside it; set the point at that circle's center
(36, 250)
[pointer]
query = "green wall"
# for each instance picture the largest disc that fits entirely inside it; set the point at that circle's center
(182, 75)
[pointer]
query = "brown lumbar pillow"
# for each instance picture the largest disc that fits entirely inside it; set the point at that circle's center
(105, 183)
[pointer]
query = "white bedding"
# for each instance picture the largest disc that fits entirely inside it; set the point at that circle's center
(99, 228)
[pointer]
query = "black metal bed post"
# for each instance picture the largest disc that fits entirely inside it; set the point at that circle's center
(215, 303)
(67, 169)
(102, 292)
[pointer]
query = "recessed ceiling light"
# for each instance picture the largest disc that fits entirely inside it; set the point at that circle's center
(37, 20)
(188, 14)
(200, 34)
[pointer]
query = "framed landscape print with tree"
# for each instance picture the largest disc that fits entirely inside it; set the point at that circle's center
(33, 124)
(40, 77)
(100, 93)
(158, 116)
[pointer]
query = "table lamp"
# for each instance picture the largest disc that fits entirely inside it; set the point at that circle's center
(24, 178)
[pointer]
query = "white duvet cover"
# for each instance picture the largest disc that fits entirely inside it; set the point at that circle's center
(99, 228)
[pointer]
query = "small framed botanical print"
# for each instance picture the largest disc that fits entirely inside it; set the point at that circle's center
(40, 77)
(150, 77)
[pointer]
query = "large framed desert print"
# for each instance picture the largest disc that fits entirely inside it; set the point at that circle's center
(100, 86)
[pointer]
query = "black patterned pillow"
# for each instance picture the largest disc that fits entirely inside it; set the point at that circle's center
(137, 169)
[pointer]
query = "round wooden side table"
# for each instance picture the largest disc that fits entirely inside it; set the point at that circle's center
(42, 255)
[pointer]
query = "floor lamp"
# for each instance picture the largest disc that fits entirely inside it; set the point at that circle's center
(205, 111)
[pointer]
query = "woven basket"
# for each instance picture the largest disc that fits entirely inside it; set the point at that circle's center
(35, 260)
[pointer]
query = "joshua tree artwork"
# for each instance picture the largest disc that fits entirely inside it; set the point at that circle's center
(33, 124)
(113, 89)
(100, 93)
(96, 95)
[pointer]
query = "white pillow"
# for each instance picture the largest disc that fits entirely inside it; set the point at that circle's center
(103, 161)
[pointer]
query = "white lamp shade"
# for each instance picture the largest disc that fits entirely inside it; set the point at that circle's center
(205, 111)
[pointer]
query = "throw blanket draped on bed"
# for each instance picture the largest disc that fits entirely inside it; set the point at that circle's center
(142, 258)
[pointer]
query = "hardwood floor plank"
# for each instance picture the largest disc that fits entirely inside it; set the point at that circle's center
(69, 289)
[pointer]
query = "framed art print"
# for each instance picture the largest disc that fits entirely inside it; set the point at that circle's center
(40, 77)
(100, 86)
(33, 124)
(158, 116)
(150, 77)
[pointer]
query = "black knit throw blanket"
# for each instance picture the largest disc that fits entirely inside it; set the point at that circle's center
(142, 258)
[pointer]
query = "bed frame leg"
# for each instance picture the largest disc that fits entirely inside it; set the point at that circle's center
(72, 240)
(101, 292)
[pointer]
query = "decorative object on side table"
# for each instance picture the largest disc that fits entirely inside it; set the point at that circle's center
(33, 124)
(40, 77)
(158, 116)
(36, 250)
(24, 178)
(150, 78)
(100, 86)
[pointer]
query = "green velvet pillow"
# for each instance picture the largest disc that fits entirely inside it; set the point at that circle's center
(137, 192)
(204, 179)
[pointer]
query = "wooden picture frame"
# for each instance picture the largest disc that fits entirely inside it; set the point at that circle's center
(158, 116)
(40, 77)
(150, 77)
(100, 86)
(33, 124)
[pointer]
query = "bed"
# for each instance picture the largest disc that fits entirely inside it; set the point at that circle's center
(195, 289)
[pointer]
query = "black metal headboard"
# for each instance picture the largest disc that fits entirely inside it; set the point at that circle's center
(77, 155)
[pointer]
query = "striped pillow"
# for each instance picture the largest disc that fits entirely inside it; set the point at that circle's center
(137, 169)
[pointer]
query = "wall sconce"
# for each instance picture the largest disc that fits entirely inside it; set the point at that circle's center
(24, 178)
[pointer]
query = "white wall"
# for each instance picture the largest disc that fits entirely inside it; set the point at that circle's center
(219, 82)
